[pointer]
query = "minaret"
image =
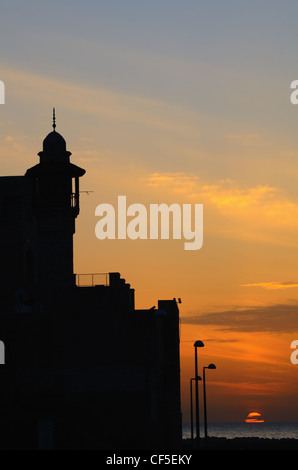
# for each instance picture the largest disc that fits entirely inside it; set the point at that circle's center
(56, 206)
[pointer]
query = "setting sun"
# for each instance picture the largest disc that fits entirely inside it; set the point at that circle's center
(254, 417)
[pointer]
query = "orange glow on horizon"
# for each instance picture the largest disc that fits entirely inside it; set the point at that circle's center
(254, 421)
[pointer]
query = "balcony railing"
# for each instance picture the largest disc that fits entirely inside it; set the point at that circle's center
(93, 279)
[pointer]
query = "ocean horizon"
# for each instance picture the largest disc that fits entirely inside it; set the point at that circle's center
(266, 430)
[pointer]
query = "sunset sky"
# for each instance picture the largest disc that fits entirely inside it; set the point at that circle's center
(177, 102)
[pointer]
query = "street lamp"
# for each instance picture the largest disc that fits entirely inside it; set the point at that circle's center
(197, 344)
(191, 407)
(211, 366)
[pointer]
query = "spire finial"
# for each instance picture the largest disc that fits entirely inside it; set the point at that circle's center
(54, 119)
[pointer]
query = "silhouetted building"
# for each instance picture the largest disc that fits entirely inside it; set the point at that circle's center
(83, 368)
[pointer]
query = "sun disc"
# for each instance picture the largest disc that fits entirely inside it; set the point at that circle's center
(254, 417)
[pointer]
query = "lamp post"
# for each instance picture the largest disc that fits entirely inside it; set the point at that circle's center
(211, 366)
(191, 407)
(197, 344)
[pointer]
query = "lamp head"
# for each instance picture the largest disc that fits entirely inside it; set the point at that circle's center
(199, 344)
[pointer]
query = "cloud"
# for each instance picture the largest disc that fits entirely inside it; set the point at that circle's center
(261, 213)
(178, 182)
(272, 285)
(226, 195)
(100, 101)
(250, 388)
(244, 139)
(228, 198)
(270, 319)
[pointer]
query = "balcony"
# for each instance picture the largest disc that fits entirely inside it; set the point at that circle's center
(92, 279)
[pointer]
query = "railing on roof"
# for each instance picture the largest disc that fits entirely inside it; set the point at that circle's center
(92, 279)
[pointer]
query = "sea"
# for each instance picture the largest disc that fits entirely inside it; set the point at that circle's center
(233, 430)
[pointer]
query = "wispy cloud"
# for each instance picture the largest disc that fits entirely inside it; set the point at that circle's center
(229, 198)
(244, 139)
(100, 101)
(262, 212)
(226, 195)
(250, 388)
(178, 182)
(271, 318)
(275, 285)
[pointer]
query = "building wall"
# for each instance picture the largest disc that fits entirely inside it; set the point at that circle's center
(83, 368)
(107, 377)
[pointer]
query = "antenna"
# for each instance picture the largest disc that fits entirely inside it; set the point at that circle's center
(54, 119)
(87, 192)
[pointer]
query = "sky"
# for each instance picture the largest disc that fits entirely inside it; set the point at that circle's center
(177, 102)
